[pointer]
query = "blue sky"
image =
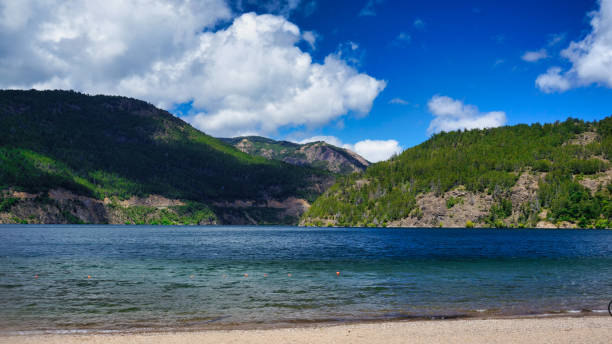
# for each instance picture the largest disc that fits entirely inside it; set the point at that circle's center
(467, 50)
(374, 76)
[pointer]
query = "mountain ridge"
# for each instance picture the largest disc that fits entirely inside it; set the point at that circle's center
(317, 154)
(66, 157)
(539, 175)
(103, 150)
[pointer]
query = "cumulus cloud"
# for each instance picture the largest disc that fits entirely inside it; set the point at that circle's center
(535, 56)
(91, 45)
(256, 80)
(249, 77)
(451, 114)
(591, 58)
(371, 150)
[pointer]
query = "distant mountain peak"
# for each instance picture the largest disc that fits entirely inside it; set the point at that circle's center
(319, 154)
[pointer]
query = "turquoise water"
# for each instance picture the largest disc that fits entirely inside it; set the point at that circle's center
(194, 277)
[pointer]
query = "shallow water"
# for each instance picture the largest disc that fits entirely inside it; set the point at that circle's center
(194, 277)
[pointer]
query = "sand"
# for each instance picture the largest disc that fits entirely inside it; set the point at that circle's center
(533, 330)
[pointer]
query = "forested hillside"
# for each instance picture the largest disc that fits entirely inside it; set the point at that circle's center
(551, 175)
(315, 154)
(66, 157)
(70, 157)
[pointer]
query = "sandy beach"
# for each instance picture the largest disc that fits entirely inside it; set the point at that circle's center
(526, 330)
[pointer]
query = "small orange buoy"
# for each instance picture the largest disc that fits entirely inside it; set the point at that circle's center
(289, 275)
(337, 273)
(265, 275)
(88, 277)
(35, 276)
(246, 275)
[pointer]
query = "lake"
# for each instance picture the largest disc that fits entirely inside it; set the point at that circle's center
(126, 278)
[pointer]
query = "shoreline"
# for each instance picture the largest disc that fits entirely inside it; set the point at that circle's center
(528, 329)
(297, 324)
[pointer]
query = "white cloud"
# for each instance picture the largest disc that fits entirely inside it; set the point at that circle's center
(534, 56)
(247, 78)
(451, 114)
(377, 150)
(553, 81)
(255, 80)
(311, 38)
(91, 45)
(591, 57)
(371, 150)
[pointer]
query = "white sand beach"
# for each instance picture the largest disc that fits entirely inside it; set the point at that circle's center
(523, 330)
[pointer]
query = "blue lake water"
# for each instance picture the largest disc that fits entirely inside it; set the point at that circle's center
(194, 277)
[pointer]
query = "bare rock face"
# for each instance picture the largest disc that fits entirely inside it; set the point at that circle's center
(245, 146)
(316, 154)
(338, 160)
(56, 206)
(156, 201)
(525, 189)
(61, 207)
(584, 138)
(434, 211)
(470, 206)
(597, 181)
(460, 207)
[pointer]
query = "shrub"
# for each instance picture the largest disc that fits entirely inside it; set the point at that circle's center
(452, 201)
(601, 224)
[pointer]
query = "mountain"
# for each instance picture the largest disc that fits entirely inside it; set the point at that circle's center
(316, 154)
(67, 157)
(551, 175)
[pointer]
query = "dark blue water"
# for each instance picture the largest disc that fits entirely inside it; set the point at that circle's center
(169, 277)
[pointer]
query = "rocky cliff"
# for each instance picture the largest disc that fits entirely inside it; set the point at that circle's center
(316, 154)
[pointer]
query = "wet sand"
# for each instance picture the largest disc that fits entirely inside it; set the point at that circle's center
(592, 329)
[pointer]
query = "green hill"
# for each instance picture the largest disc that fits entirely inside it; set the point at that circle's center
(315, 154)
(551, 175)
(62, 151)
